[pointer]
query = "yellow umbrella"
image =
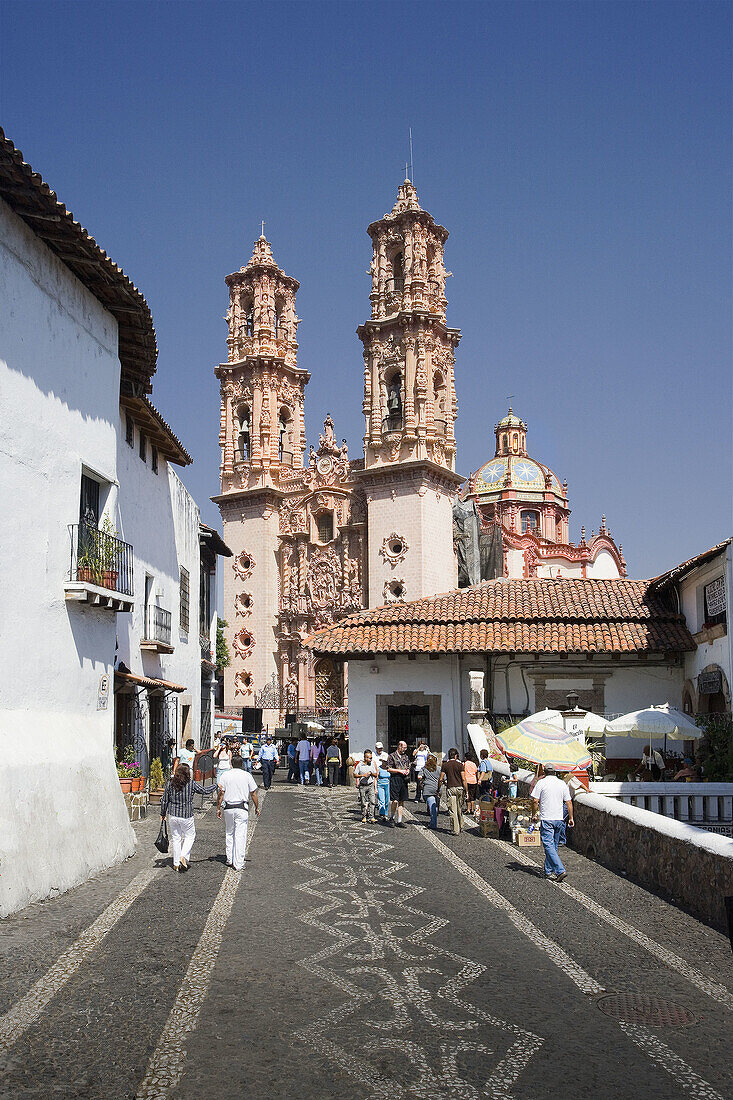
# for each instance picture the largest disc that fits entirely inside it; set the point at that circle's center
(543, 743)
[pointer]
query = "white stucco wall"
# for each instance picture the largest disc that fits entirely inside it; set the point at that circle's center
(401, 675)
(160, 518)
(423, 516)
(256, 530)
(62, 815)
(691, 588)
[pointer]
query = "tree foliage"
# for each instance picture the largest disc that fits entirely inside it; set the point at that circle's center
(222, 649)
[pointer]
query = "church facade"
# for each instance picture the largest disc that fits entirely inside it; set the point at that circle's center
(318, 536)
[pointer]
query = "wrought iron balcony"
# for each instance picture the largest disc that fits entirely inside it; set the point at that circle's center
(157, 630)
(100, 569)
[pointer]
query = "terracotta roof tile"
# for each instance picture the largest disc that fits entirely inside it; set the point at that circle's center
(523, 616)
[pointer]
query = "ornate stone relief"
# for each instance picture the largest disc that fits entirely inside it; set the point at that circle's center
(243, 643)
(243, 565)
(292, 517)
(394, 590)
(322, 581)
(394, 548)
(243, 604)
(243, 683)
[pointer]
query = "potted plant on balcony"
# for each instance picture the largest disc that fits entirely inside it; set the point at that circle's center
(87, 566)
(157, 780)
(107, 554)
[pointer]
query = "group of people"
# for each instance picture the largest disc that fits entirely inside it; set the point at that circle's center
(320, 762)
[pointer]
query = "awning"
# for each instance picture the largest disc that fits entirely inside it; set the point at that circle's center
(147, 682)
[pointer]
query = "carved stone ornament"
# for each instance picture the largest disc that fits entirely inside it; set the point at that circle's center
(292, 518)
(394, 548)
(243, 643)
(243, 565)
(243, 683)
(394, 590)
(243, 604)
(322, 581)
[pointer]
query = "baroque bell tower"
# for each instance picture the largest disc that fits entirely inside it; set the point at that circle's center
(262, 439)
(409, 407)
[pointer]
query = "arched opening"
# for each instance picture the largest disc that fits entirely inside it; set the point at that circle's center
(530, 523)
(284, 434)
(504, 446)
(279, 314)
(243, 435)
(398, 272)
(515, 442)
(394, 402)
(329, 685)
(249, 316)
(439, 394)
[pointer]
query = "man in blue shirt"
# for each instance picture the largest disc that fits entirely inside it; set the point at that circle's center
(269, 759)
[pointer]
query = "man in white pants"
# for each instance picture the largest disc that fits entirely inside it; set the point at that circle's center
(236, 786)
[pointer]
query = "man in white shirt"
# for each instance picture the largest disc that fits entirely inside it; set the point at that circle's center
(548, 796)
(269, 758)
(188, 755)
(236, 787)
(303, 749)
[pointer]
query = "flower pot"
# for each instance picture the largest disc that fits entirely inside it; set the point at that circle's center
(138, 783)
(87, 575)
(126, 785)
(109, 579)
(156, 794)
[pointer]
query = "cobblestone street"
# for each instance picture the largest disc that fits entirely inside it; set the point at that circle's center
(350, 961)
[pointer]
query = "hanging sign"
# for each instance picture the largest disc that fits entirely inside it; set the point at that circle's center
(715, 597)
(710, 683)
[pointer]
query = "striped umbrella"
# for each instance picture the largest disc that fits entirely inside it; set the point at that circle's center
(543, 743)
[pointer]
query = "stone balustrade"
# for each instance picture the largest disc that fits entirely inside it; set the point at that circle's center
(707, 805)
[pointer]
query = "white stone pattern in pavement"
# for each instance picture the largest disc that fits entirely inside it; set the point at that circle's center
(27, 1010)
(712, 989)
(168, 1061)
(394, 984)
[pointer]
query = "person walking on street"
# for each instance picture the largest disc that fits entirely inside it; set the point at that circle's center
(398, 766)
(365, 774)
(549, 796)
(317, 757)
(303, 749)
(420, 755)
(269, 759)
(379, 756)
(176, 807)
(470, 769)
(222, 759)
(485, 773)
(292, 762)
(245, 752)
(236, 786)
(430, 787)
(188, 754)
(452, 773)
(333, 763)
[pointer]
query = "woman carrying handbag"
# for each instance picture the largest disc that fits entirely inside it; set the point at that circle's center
(176, 807)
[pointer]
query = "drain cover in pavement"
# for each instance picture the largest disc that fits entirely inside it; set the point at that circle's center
(638, 1008)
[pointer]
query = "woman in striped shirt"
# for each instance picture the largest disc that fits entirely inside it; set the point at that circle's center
(177, 806)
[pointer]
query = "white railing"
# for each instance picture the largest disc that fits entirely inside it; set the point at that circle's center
(708, 805)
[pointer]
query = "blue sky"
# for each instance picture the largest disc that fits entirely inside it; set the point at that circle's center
(579, 154)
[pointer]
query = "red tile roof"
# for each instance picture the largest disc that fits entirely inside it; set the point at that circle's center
(679, 571)
(522, 616)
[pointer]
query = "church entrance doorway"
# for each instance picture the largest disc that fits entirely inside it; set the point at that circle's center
(407, 723)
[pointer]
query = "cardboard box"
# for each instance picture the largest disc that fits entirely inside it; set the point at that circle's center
(529, 840)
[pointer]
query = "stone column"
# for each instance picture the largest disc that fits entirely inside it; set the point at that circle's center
(410, 384)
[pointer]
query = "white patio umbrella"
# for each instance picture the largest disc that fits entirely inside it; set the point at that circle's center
(660, 721)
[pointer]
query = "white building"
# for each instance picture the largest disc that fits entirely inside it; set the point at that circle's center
(617, 643)
(86, 521)
(701, 588)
